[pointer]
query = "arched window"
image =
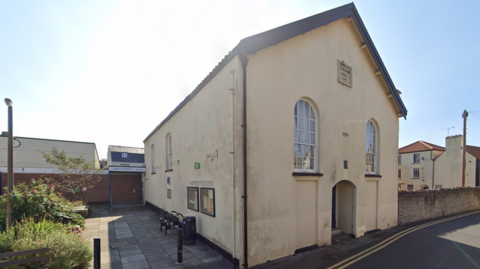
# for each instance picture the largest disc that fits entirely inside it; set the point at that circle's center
(154, 169)
(305, 139)
(169, 152)
(371, 148)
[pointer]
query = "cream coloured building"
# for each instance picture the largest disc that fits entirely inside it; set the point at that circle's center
(293, 135)
(422, 165)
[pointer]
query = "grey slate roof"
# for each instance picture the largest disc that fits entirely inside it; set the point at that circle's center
(126, 149)
(269, 38)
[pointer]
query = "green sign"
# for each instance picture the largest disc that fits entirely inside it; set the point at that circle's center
(197, 165)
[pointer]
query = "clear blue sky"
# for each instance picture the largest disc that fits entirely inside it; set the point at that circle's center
(109, 71)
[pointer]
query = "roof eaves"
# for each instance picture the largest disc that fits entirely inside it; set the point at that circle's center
(266, 39)
(378, 60)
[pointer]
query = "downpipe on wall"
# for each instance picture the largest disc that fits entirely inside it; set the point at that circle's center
(234, 238)
(244, 60)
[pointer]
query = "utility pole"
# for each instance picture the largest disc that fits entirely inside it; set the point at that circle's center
(464, 116)
(10, 164)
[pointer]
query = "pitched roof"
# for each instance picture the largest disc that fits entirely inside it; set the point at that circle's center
(269, 38)
(475, 151)
(126, 149)
(420, 146)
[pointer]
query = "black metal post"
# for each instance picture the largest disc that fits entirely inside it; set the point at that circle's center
(96, 253)
(179, 247)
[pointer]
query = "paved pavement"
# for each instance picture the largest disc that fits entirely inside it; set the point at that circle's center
(131, 238)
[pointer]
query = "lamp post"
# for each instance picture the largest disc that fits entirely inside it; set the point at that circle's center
(10, 163)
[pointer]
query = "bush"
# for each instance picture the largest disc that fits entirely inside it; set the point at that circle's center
(6, 241)
(67, 250)
(39, 201)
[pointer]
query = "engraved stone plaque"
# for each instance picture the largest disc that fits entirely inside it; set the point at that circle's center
(344, 73)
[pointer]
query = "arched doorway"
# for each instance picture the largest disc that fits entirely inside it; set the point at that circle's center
(343, 207)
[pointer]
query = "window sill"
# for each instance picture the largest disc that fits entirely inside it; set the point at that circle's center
(170, 170)
(307, 174)
(373, 175)
(415, 178)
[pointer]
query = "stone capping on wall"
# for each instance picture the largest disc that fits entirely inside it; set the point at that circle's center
(423, 205)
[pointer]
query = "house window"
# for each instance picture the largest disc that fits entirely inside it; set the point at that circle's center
(437, 187)
(371, 148)
(399, 173)
(169, 152)
(399, 159)
(154, 169)
(124, 155)
(410, 187)
(305, 141)
(416, 172)
(416, 158)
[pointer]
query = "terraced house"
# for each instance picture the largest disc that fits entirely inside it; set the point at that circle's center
(423, 165)
(292, 137)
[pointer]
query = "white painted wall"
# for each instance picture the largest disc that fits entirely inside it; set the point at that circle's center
(28, 155)
(202, 131)
(306, 67)
(278, 202)
(448, 167)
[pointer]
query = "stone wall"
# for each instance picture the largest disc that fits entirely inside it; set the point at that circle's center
(425, 205)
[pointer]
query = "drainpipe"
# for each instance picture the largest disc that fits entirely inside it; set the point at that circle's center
(433, 172)
(234, 238)
(244, 60)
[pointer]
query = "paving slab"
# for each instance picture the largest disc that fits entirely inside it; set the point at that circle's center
(131, 239)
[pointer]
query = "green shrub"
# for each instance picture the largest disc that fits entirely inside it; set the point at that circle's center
(67, 250)
(39, 201)
(6, 241)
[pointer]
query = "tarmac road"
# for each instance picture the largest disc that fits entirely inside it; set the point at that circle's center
(452, 242)
(447, 243)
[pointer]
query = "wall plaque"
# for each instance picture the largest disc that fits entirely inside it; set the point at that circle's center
(344, 73)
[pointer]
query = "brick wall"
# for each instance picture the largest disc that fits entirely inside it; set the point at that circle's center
(123, 186)
(425, 205)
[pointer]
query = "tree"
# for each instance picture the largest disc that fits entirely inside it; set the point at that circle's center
(75, 172)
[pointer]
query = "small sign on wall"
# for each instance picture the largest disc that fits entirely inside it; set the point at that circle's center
(197, 165)
(344, 73)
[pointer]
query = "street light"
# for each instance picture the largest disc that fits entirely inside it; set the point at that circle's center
(10, 163)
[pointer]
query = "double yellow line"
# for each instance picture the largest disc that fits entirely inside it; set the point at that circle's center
(355, 258)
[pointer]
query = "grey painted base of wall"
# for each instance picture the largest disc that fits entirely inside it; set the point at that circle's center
(204, 240)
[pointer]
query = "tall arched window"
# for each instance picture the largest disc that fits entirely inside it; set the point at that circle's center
(154, 169)
(371, 148)
(169, 152)
(305, 139)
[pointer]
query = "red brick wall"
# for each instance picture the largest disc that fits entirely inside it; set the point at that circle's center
(123, 186)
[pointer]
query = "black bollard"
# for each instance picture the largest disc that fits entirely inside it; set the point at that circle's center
(179, 246)
(96, 253)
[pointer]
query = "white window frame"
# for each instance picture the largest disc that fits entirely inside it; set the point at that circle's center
(413, 175)
(399, 159)
(409, 186)
(417, 159)
(154, 169)
(315, 134)
(374, 143)
(124, 155)
(169, 153)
